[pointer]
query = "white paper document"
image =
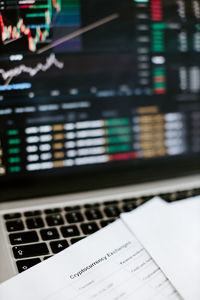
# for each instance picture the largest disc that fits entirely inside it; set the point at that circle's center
(109, 265)
(171, 234)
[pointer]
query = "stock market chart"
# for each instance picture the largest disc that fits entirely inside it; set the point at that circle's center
(89, 82)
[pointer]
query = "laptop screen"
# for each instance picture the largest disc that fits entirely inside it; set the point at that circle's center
(96, 84)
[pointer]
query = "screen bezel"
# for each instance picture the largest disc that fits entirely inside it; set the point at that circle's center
(35, 186)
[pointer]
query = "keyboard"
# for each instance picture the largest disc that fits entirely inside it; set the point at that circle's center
(36, 235)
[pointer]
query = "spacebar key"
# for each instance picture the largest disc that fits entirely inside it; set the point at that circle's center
(30, 250)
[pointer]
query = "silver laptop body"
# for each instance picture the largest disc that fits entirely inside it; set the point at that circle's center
(99, 112)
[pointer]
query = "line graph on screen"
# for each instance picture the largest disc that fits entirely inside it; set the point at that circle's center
(46, 25)
(51, 61)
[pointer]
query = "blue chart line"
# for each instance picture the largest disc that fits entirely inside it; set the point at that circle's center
(16, 87)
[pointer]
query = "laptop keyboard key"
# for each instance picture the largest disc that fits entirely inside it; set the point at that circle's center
(129, 207)
(89, 228)
(49, 234)
(74, 217)
(106, 222)
(114, 202)
(146, 198)
(16, 225)
(196, 192)
(71, 208)
(58, 246)
(25, 264)
(46, 257)
(127, 200)
(69, 231)
(30, 250)
(33, 213)
(112, 211)
(23, 237)
(12, 216)
(166, 196)
(75, 240)
(55, 220)
(36, 222)
(52, 211)
(181, 195)
(93, 205)
(93, 214)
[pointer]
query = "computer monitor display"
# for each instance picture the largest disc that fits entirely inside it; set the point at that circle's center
(89, 84)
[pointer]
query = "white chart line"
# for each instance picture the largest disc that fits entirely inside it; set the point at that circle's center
(32, 71)
(79, 32)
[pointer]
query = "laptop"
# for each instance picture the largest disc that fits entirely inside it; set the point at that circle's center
(99, 112)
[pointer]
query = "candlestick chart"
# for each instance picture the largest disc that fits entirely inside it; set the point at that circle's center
(34, 20)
